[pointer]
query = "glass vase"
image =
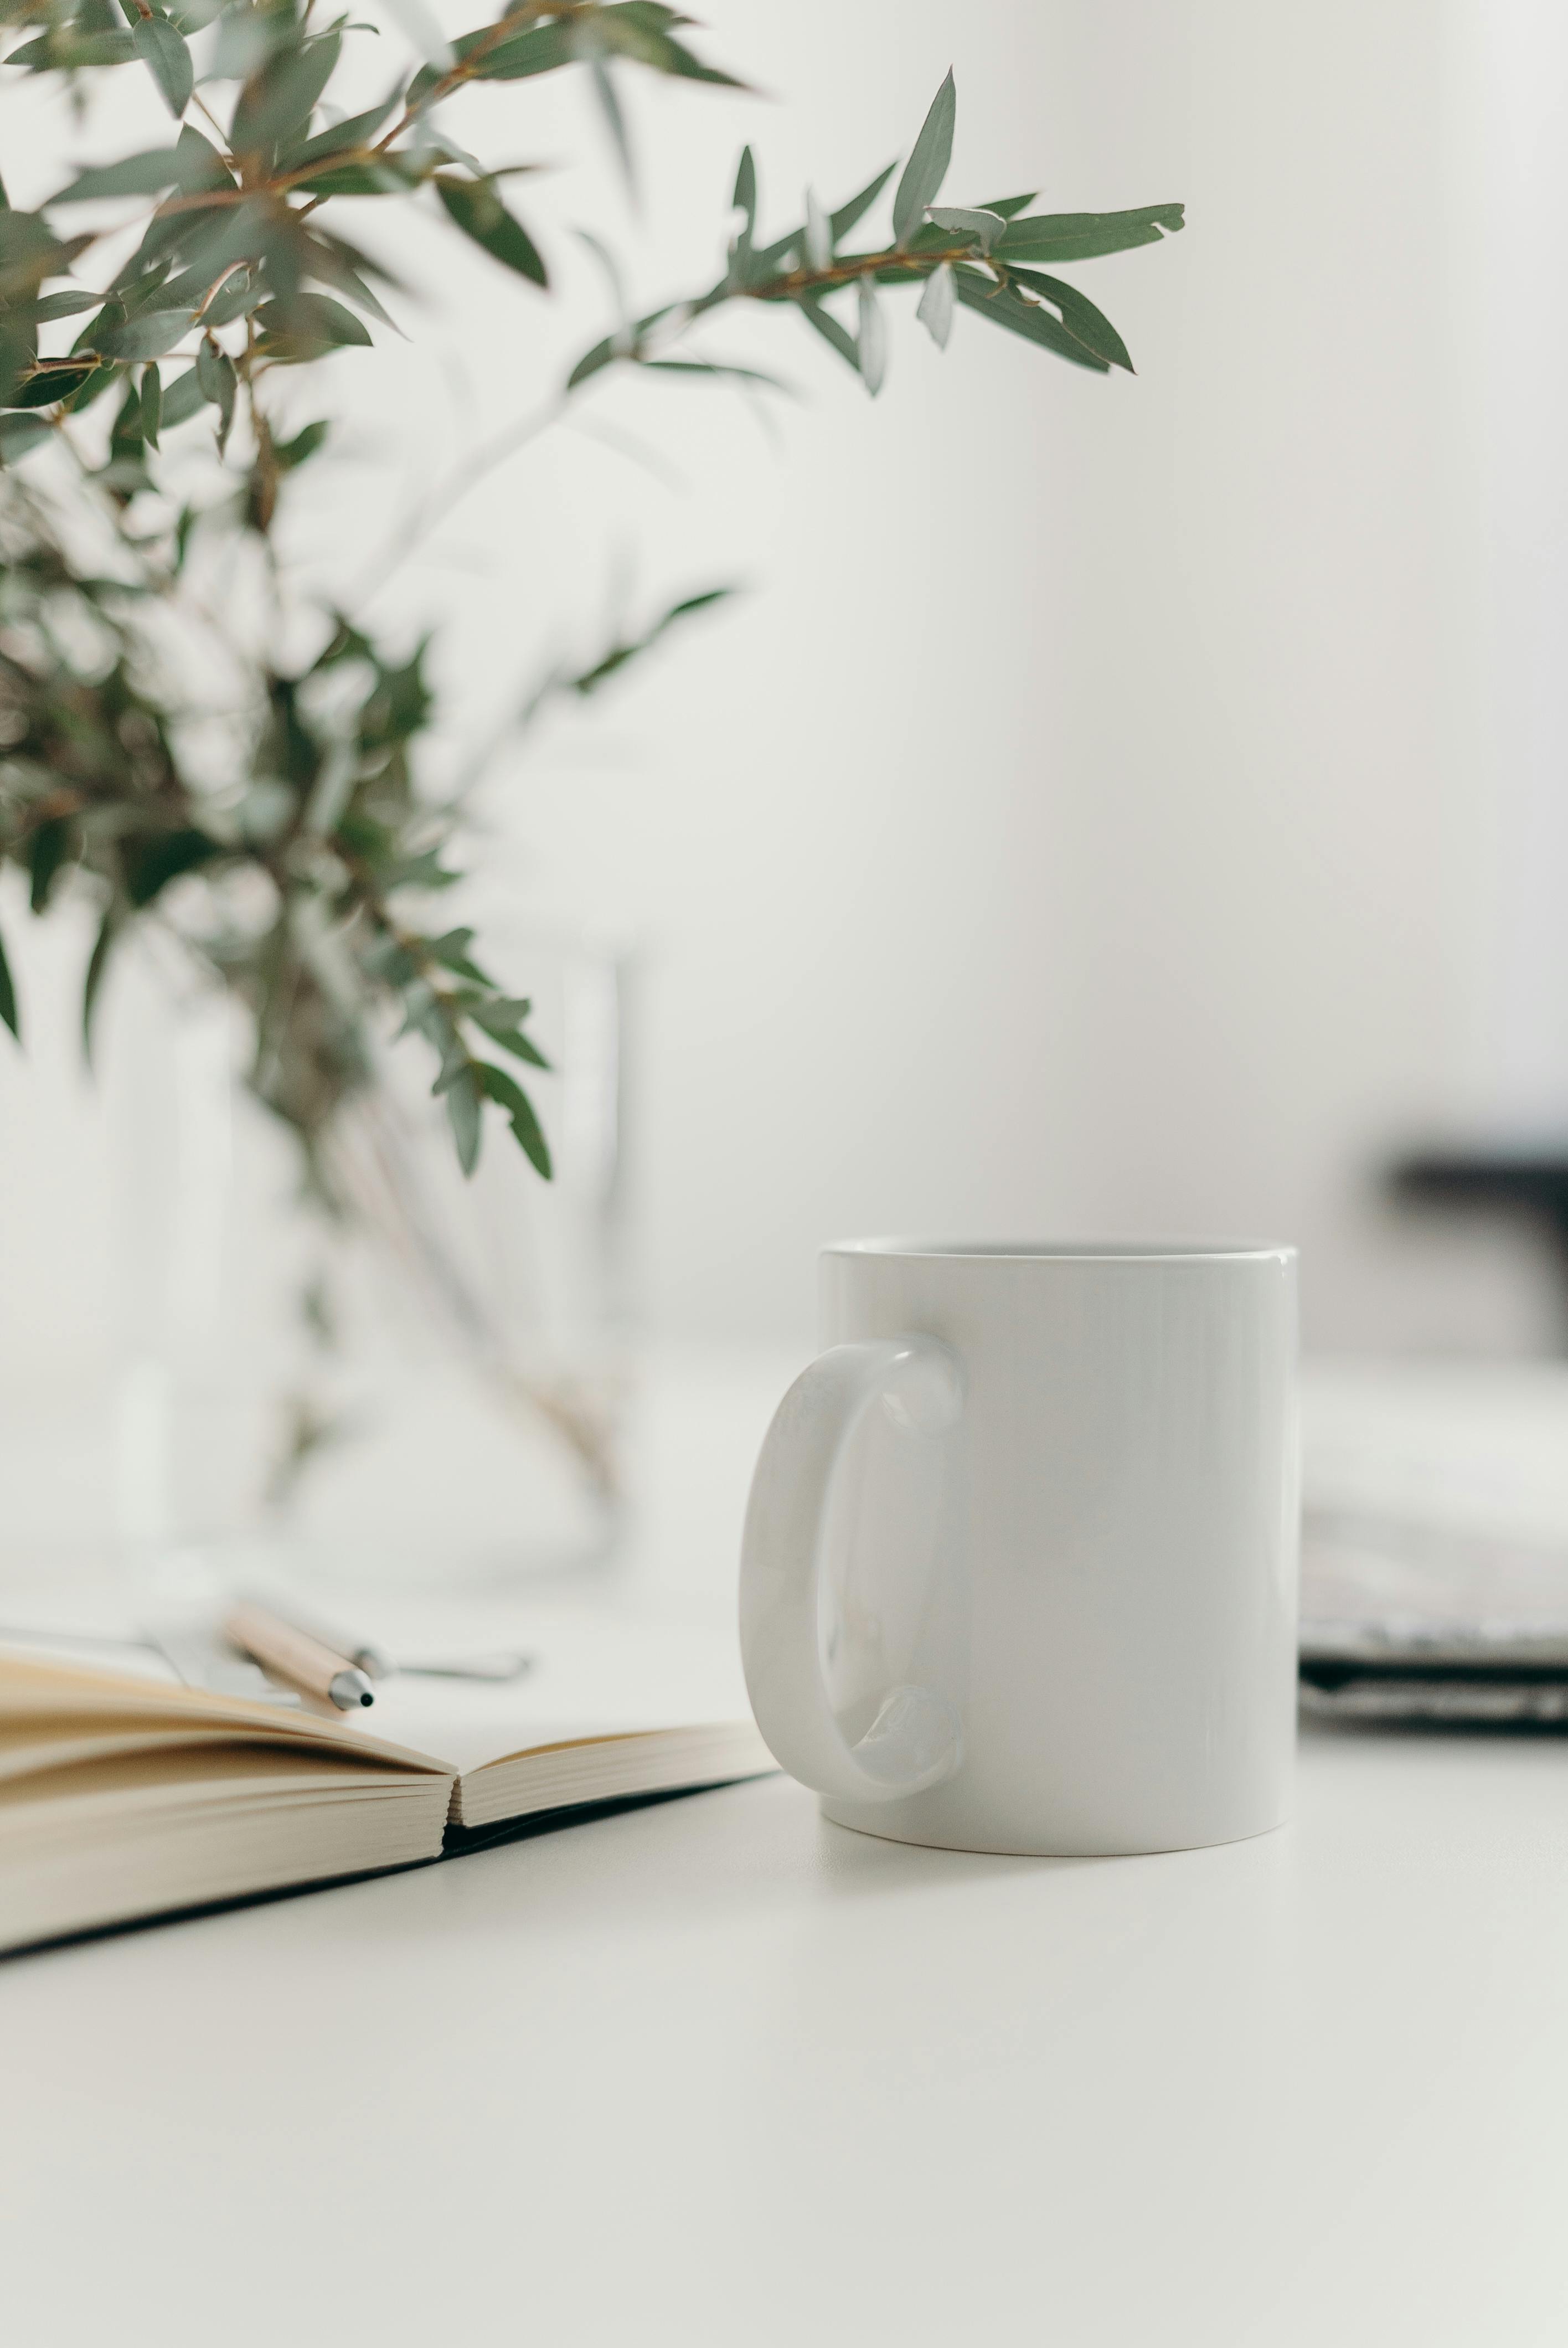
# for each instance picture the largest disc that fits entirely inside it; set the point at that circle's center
(429, 1384)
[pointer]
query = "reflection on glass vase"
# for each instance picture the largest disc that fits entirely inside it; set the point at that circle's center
(433, 1383)
(493, 1309)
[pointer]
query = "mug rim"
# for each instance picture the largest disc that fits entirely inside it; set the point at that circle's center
(1161, 1250)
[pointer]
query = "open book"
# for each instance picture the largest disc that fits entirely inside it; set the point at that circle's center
(123, 1796)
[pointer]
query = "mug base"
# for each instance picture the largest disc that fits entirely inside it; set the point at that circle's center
(866, 1820)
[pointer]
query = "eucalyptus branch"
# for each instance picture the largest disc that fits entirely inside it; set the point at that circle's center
(298, 864)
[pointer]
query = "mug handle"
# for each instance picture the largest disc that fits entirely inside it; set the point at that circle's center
(915, 1740)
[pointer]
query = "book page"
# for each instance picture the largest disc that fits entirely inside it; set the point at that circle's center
(49, 1702)
(588, 1675)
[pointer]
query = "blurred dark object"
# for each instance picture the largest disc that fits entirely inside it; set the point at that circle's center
(1377, 1672)
(1524, 1185)
(1412, 1621)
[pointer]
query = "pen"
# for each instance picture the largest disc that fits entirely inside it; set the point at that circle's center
(293, 1656)
(349, 1647)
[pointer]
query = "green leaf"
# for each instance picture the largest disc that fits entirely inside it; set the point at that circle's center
(182, 401)
(306, 326)
(509, 1010)
(215, 381)
(55, 379)
(65, 51)
(512, 1039)
(64, 305)
(615, 659)
(292, 454)
(452, 952)
(96, 384)
(699, 603)
(502, 1020)
(98, 964)
(151, 405)
(423, 871)
(382, 178)
(125, 434)
(845, 218)
(152, 334)
(20, 435)
(188, 290)
(147, 174)
(1085, 236)
(112, 315)
(243, 291)
(157, 858)
(927, 166)
(167, 61)
(1082, 320)
(1005, 308)
(47, 852)
(18, 356)
(592, 361)
(201, 165)
(744, 199)
(277, 103)
(511, 1097)
(30, 252)
(212, 238)
(8, 1012)
(785, 253)
(838, 337)
(638, 28)
(542, 50)
(463, 1098)
(147, 289)
(329, 258)
(356, 131)
(479, 212)
(387, 958)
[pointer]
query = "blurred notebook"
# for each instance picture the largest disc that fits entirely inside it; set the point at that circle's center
(1434, 1583)
(123, 1797)
(1407, 1622)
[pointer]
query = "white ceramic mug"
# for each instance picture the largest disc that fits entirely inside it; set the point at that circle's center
(1019, 1561)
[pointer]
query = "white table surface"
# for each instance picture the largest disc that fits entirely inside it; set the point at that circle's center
(721, 2072)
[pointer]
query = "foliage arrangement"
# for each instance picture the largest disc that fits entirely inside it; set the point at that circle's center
(172, 760)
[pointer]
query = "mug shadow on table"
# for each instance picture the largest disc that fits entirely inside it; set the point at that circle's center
(713, 1854)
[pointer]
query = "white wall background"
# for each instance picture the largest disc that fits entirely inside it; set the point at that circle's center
(1091, 821)
(1510, 61)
